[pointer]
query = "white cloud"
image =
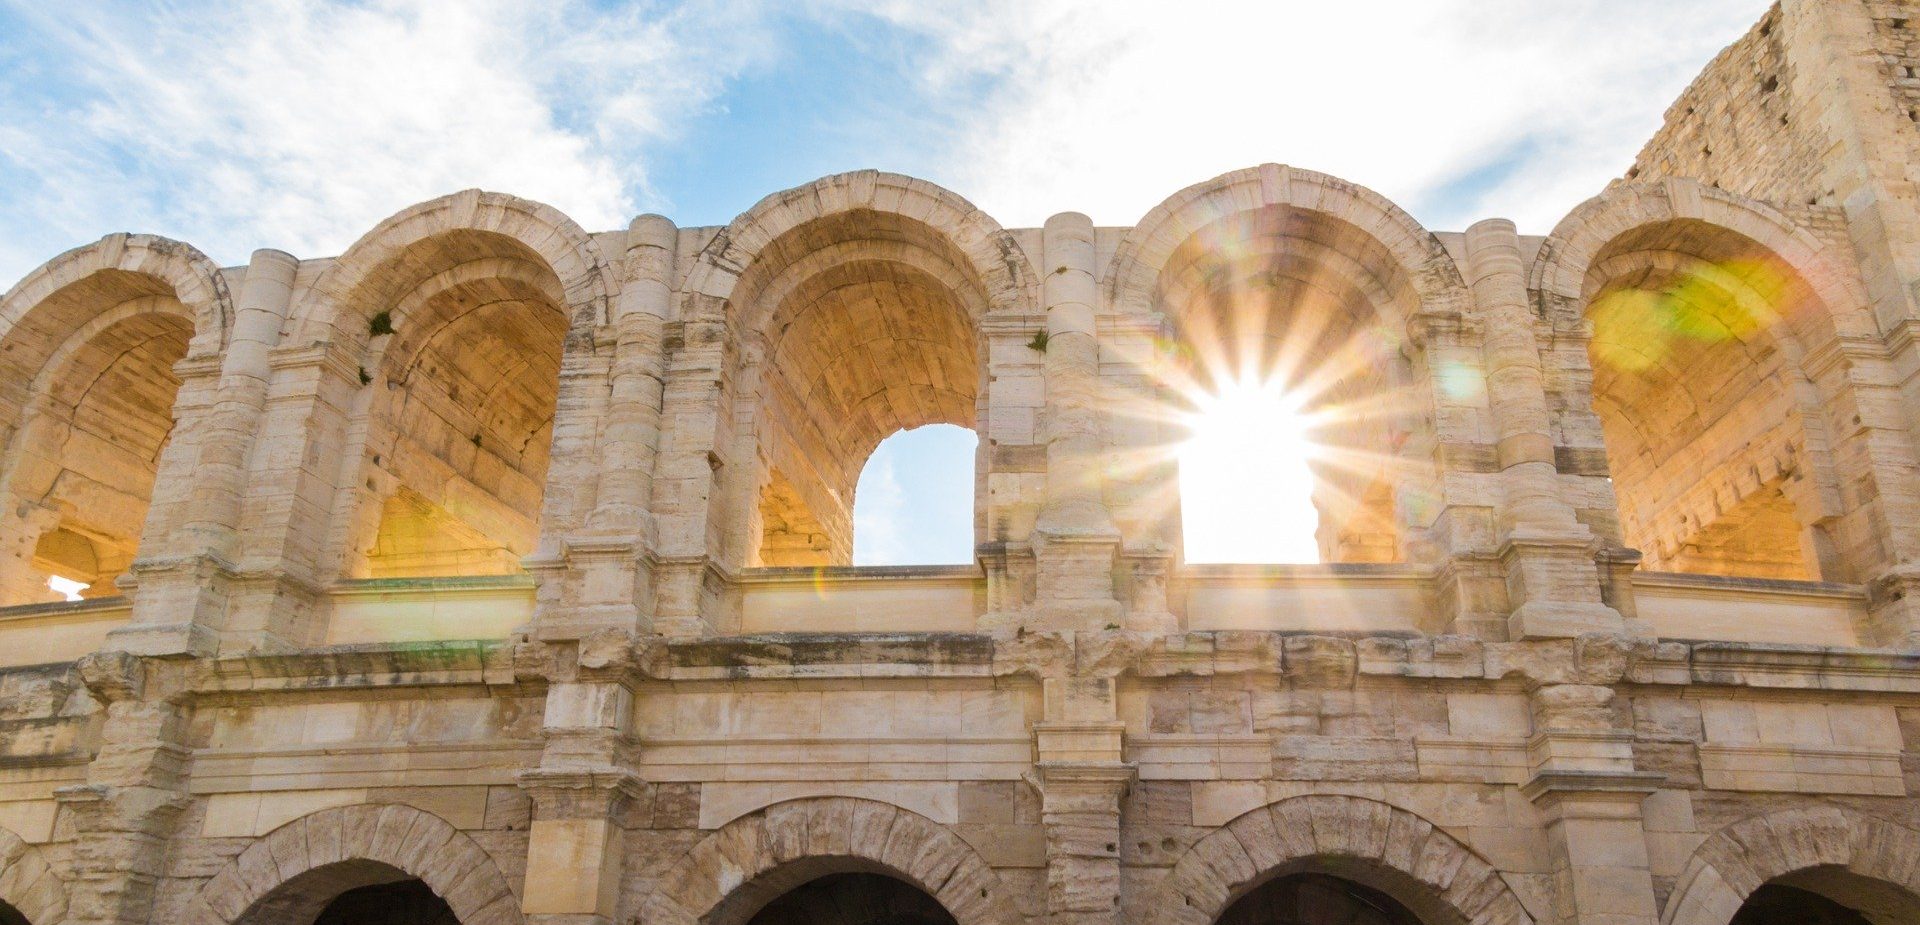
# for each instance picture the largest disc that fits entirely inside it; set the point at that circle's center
(300, 124)
(1109, 107)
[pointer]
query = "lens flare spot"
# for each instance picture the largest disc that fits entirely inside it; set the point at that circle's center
(1637, 329)
(1461, 382)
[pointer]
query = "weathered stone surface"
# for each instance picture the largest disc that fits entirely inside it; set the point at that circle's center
(513, 558)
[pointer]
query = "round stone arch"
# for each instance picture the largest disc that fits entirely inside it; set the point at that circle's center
(1559, 272)
(520, 277)
(730, 874)
(1130, 278)
(194, 280)
(1374, 283)
(1738, 859)
(1376, 844)
(1678, 228)
(991, 254)
(310, 860)
(28, 884)
(43, 314)
(336, 296)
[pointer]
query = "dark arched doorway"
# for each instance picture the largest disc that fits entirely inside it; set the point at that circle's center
(1316, 899)
(853, 899)
(1828, 896)
(355, 892)
(408, 902)
(11, 916)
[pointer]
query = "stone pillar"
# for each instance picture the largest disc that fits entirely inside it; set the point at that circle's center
(600, 576)
(1552, 583)
(221, 467)
(1012, 406)
(125, 814)
(687, 481)
(1074, 537)
(1140, 494)
(1454, 505)
(1584, 782)
(188, 554)
(1082, 781)
(306, 455)
(633, 419)
(580, 795)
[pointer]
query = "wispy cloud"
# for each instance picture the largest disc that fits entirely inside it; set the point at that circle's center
(1107, 106)
(299, 124)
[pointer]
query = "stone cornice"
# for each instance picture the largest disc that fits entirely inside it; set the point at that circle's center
(1310, 660)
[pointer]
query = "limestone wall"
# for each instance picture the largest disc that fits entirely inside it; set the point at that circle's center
(496, 570)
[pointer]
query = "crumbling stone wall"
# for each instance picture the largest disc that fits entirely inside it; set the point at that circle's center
(1743, 125)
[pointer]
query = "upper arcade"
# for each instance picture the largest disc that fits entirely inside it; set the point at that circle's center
(482, 408)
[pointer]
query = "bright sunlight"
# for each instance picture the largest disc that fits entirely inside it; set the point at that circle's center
(1245, 486)
(66, 587)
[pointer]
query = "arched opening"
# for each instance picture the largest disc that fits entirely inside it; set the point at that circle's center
(1316, 899)
(914, 501)
(95, 414)
(1828, 896)
(861, 325)
(853, 899)
(11, 916)
(408, 902)
(1715, 463)
(1297, 396)
(466, 332)
(356, 892)
(829, 891)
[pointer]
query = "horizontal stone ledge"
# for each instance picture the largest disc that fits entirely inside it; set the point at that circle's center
(746, 656)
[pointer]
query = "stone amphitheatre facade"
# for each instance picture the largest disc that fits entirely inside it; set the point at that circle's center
(496, 571)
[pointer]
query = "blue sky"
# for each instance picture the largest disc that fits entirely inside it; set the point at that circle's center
(299, 124)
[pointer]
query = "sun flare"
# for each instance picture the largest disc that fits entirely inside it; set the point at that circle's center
(1246, 488)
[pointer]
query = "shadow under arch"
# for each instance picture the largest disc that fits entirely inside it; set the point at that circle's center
(1377, 845)
(89, 344)
(316, 858)
(1861, 862)
(461, 313)
(1711, 321)
(733, 873)
(853, 309)
(29, 887)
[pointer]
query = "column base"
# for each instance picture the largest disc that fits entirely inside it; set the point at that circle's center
(1074, 582)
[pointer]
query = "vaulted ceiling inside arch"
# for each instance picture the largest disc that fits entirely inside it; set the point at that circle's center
(471, 375)
(1695, 386)
(92, 452)
(867, 331)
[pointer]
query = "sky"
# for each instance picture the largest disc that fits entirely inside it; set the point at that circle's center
(300, 124)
